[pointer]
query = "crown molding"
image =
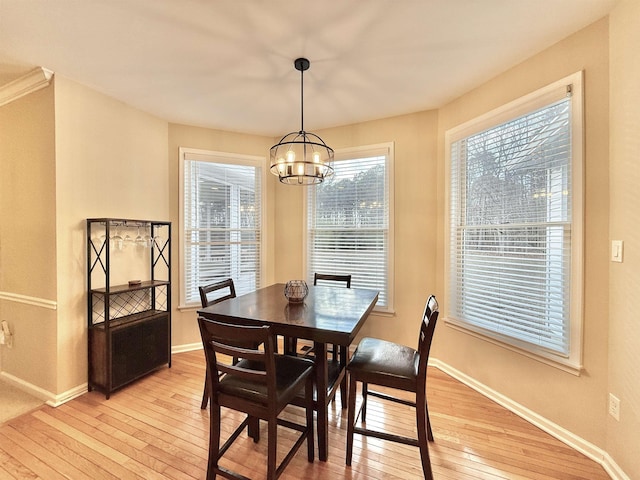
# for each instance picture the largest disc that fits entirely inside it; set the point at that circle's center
(34, 80)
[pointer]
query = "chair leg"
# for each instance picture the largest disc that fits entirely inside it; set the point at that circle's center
(429, 432)
(290, 346)
(422, 425)
(253, 429)
(309, 411)
(214, 441)
(351, 418)
(343, 359)
(205, 394)
(272, 448)
(365, 390)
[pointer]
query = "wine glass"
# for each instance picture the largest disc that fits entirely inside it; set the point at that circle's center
(127, 239)
(148, 241)
(100, 241)
(116, 241)
(140, 241)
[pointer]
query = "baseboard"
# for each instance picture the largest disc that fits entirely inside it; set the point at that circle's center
(69, 395)
(189, 347)
(613, 469)
(579, 444)
(54, 400)
(574, 441)
(26, 387)
(47, 397)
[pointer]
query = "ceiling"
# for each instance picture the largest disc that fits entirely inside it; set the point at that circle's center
(228, 64)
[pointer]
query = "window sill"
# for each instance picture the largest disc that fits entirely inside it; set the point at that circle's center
(540, 356)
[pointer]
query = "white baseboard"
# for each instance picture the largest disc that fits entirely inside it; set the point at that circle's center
(189, 347)
(574, 441)
(54, 400)
(29, 388)
(588, 449)
(49, 398)
(613, 469)
(69, 395)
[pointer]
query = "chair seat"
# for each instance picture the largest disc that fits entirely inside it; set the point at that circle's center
(385, 363)
(333, 375)
(290, 374)
(381, 363)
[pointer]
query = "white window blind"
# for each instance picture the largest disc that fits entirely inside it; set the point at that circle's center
(348, 218)
(221, 222)
(512, 225)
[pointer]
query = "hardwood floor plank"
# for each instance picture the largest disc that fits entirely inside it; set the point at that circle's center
(155, 429)
(26, 458)
(44, 454)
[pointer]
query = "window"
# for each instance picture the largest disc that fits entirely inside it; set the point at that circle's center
(349, 221)
(221, 221)
(515, 229)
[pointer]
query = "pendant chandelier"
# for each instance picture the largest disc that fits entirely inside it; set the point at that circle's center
(301, 158)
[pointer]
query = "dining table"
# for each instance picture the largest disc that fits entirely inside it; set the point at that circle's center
(328, 315)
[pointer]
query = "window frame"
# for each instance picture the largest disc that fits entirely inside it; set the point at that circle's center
(572, 362)
(350, 154)
(233, 159)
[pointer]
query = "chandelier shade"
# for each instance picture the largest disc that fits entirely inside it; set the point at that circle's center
(301, 158)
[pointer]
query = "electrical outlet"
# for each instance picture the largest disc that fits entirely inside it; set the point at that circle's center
(614, 406)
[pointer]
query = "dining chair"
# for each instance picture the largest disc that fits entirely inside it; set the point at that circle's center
(329, 279)
(388, 364)
(291, 343)
(210, 295)
(337, 353)
(260, 385)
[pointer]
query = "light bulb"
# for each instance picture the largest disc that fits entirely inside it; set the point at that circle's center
(291, 156)
(300, 168)
(316, 157)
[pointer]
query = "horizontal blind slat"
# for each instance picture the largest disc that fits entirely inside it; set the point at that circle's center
(348, 221)
(222, 223)
(511, 227)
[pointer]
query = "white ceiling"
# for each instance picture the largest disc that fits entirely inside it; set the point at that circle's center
(228, 64)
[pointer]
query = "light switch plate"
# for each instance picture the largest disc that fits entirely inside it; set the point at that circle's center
(616, 250)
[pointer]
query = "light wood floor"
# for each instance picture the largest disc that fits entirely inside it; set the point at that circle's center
(154, 429)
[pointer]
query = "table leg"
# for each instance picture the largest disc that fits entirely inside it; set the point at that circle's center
(322, 380)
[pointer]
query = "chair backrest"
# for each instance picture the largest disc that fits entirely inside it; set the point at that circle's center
(427, 327)
(346, 279)
(239, 341)
(214, 287)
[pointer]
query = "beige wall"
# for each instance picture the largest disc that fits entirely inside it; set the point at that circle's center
(103, 158)
(623, 437)
(415, 142)
(28, 236)
(576, 403)
(416, 213)
(90, 156)
(111, 161)
(185, 331)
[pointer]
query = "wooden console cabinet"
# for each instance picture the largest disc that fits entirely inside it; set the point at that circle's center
(129, 324)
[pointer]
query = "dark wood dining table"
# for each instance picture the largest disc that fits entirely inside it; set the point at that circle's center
(328, 315)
